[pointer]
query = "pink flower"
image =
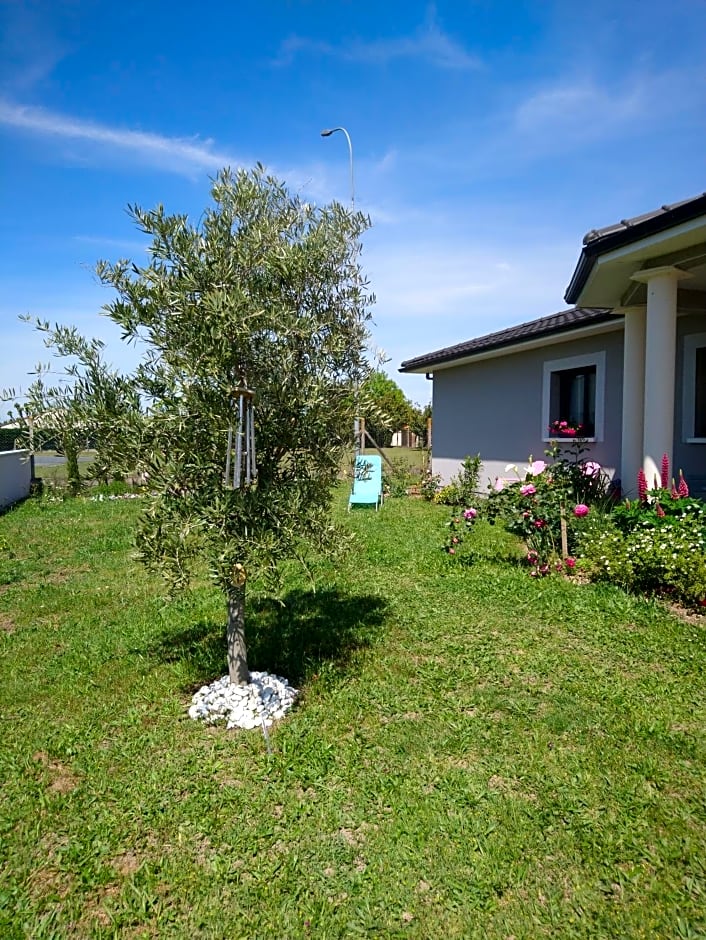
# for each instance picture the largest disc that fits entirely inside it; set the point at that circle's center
(470, 513)
(537, 467)
(499, 484)
(544, 569)
(591, 468)
(528, 489)
(455, 540)
(570, 562)
(539, 523)
(641, 486)
(452, 551)
(683, 488)
(581, 510)
(664, 472)
(660, 512)
(532, 557)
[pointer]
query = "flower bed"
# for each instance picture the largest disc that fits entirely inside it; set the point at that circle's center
(564, 512)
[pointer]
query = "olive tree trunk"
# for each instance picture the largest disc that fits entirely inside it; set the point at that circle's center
(235, 634)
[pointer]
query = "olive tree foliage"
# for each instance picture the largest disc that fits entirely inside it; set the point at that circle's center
(264, 289)
(85, 404)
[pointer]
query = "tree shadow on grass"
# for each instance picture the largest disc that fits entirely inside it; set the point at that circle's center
(293, 638)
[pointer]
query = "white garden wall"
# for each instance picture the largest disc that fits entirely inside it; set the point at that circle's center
(15, 476)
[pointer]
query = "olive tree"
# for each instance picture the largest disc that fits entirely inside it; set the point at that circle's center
(267, 290)
(84, 404)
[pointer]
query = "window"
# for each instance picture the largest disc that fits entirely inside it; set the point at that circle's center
(694, 400)
(573, 392)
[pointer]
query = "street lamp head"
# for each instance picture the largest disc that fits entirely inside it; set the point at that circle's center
(332, 130)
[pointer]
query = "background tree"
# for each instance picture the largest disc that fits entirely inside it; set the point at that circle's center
(87, 404)
(419, 421)
(264, 289)
(387, 409)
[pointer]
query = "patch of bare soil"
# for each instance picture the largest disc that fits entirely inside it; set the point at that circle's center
(687, 614)
(126, 864)
(7, 624)
(62, 780)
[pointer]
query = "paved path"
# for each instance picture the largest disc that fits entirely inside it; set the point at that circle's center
(46, 460)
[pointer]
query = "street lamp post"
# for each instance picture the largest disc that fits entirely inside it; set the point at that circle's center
(332, 130)
(327, 133)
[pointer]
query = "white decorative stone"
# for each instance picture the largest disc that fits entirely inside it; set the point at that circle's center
(264, 699)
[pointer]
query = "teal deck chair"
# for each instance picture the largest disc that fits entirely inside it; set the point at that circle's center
(367, 482)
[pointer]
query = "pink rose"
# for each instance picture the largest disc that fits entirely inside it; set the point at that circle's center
(528, 489)
(591, 468)
(470, 513)
(581, 510)
(570, 562)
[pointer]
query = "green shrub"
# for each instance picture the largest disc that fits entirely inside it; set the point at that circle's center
(669, 558)
(449, 495)
(467, 479)
(399, 477)
(8, 437)
(430, 485)
(461, 490)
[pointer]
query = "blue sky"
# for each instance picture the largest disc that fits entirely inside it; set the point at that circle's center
(488, 138)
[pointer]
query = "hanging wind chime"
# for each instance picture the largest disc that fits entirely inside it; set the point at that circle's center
(241, 468)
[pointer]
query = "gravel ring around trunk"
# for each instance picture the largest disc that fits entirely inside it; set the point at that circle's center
(263, 700)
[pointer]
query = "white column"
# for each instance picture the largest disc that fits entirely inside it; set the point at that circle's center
(660, 365)
(633, 398)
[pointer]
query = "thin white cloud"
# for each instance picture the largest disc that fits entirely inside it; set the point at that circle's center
(462, 282)
(586, 109)
(178, 154)
(583, 108)
(428, 44)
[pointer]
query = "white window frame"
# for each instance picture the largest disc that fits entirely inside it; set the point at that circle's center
(692, 342)
(551, 366)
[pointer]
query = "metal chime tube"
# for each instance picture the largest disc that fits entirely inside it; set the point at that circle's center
(246, 439)
(229, 449)
(240, 451)
(251, 446)
(239, 446)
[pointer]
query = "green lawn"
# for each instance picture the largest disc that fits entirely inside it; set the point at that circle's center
(475, 753)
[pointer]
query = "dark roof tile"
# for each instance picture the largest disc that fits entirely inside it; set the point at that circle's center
(598, 241)
(532, 329)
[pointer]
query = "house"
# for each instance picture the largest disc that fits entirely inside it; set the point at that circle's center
(627, 361)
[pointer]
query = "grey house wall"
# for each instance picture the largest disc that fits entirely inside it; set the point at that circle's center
(689, 457)
(494, 407)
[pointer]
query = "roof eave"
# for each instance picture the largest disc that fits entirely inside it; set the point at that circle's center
(596, 245)
(426, 364)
